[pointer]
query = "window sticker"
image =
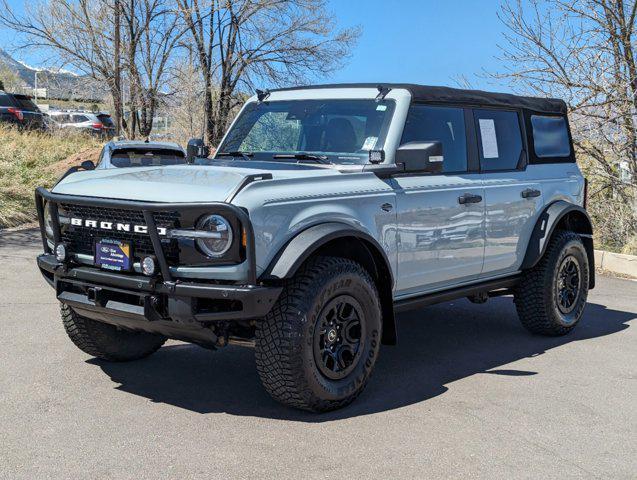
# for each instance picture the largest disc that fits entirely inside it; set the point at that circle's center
(436, 159)
(489, 139)
(370, 143)
(381, 108)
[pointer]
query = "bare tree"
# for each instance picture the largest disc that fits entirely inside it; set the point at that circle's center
(117, 81)
(243, 44)
(199, 20)
(79, 31)
(9, 80)
(153, 30)
(86, 35)
(583, 51)
(186, 89)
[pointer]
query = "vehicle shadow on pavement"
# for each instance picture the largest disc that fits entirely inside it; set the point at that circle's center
(436, 346)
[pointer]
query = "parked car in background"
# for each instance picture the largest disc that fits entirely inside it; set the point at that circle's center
(122, 154)
(99, 124)
(20, 111)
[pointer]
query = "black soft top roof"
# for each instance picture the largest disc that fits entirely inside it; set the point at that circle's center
(424, 93)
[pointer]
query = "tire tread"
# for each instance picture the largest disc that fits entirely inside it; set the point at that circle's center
(530, 295)
(278, 348)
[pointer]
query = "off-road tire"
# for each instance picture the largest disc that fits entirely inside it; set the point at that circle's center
(106, 341)
(537, 296)
(285, 338)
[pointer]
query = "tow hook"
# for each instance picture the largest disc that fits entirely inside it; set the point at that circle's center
(93, 295)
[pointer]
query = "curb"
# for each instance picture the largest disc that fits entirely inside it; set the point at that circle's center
(616, 262)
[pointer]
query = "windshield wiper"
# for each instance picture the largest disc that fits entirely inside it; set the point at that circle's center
(304, 156)
(237, 153)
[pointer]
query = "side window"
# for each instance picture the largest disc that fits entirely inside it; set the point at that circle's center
(79, 119)
(499, 139)
(5, 100)
(550, 136)
(443, 124)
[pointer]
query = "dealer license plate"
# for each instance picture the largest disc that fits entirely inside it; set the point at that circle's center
(113, 255)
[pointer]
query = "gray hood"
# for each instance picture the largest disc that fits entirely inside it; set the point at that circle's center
(178, 183)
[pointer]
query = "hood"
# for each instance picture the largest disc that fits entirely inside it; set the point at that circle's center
(178, 183)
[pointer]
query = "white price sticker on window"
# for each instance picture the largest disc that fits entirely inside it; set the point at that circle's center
(489, 138)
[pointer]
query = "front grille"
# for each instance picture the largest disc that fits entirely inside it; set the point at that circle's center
(82, 240)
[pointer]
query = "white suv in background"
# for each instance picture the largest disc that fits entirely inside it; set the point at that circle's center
(99, 124)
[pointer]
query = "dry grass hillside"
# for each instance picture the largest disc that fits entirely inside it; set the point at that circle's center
(28, 160)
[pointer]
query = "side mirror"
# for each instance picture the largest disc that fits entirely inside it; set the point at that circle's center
(196, 149)
(87, 165)
(423, 157)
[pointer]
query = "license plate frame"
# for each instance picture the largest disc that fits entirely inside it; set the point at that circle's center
(113, 255)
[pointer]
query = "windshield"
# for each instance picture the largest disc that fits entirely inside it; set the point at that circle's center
(344, 131)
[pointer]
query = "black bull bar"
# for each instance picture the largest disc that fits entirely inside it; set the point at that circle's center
(98, 294)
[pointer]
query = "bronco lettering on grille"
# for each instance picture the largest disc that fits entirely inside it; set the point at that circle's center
(119, 227)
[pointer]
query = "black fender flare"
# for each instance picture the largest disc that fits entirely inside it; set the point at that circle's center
(307, 242)
(552, 216)
(304, 244)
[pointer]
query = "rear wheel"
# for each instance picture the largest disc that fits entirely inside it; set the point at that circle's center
(317, 347)
(106, 341)
(551, 297)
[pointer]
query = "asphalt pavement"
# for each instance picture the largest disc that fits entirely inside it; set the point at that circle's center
(466, 393)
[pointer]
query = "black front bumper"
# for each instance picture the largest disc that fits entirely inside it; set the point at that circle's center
(181, 310)
(161, 304)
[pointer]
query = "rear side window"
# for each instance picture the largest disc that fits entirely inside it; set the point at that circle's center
(550, 136)
(499, 139)
(26, 103)
(5, 100)
(443, 124)
(79, 119)
(62, 118)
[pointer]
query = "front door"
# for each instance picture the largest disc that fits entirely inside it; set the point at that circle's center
(440, 216)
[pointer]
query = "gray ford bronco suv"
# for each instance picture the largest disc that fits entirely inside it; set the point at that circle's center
(325, 211)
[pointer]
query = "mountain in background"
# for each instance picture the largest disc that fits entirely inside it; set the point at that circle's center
(60, 84)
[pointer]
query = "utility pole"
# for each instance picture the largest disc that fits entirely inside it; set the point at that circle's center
(117, 101)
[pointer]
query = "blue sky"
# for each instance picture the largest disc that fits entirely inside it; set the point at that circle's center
(421, 41)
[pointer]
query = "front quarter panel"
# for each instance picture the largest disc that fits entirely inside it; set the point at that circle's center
(281, 209)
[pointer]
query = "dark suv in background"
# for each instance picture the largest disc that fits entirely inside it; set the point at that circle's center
(19, 110)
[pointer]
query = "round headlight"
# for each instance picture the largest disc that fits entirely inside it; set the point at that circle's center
(48, 221)
(217, 237)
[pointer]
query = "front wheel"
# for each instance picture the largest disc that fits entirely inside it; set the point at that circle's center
(317, 347)
(106, 341)
(551, 297)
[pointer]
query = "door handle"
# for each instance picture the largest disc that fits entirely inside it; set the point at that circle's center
(530, 193)
(469, 198)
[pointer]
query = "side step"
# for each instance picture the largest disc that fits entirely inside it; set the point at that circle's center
(455, 293)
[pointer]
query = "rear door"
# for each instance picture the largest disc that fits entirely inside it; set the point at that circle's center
(440, 239)
(513, 200)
